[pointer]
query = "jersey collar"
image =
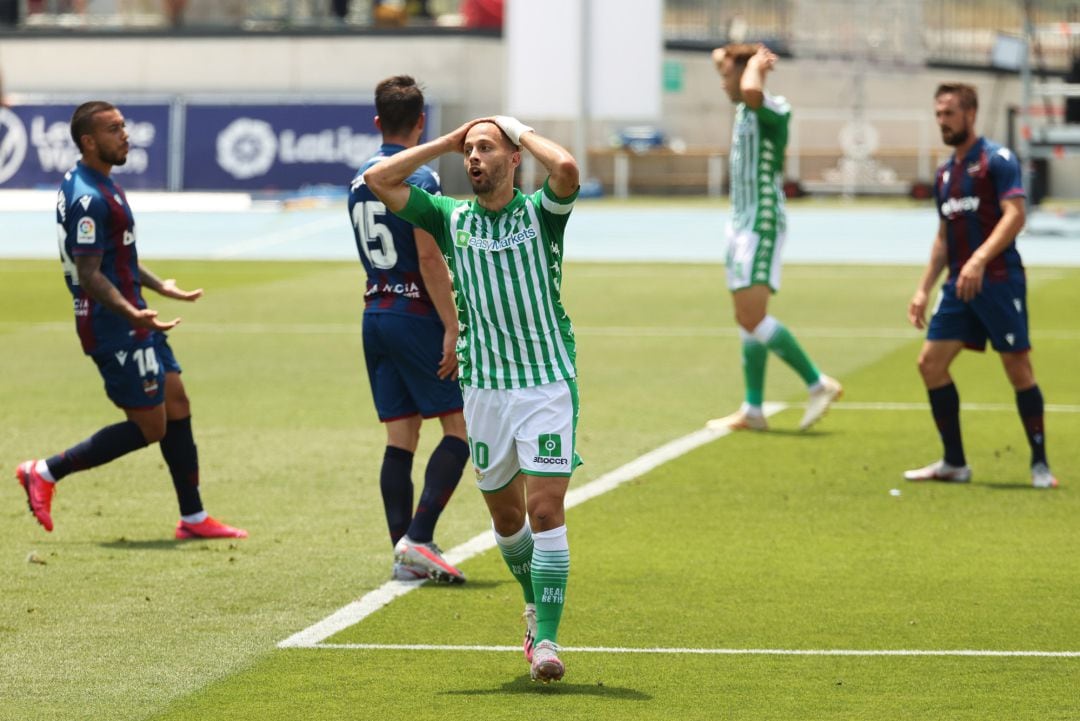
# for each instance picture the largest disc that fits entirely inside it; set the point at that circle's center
(516, 202)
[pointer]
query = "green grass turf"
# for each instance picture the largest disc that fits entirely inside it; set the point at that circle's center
(782, 540)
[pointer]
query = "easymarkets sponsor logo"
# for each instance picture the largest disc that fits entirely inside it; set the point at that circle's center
(496, 244)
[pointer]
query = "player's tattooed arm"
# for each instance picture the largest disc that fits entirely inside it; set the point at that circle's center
(167, 287)
(100, 288)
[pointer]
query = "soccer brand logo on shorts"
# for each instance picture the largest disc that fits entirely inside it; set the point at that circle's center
(550, 450)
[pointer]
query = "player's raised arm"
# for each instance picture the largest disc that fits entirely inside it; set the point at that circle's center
(563, 176)
(387, 177)
(752, 84)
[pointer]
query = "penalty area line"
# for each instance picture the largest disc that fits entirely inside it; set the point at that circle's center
(369, 603)
(705, 651)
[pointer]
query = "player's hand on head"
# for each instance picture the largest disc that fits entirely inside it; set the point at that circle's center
(513, 127)
(457, 137)
(169, 289)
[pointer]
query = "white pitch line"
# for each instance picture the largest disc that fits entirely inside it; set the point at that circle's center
(372, 601)
(886, 406)
(706, 651)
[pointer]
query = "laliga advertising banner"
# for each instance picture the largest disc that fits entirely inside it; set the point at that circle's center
(36, 148)
(276, 147)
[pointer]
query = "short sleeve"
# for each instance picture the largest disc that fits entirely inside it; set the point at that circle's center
(85, 226)
(1006, 175)
(556, 210)
(424, 211)
(774, 111)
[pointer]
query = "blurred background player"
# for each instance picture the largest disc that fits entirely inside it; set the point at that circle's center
(517, 348)
(756, 236)
(410, 334)
(125, 338)
(980, 199)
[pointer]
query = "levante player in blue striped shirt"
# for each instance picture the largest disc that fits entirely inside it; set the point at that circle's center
(410, 331)
(124, 337)
(980, 201)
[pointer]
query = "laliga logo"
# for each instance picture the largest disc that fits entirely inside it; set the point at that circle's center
(13, 144)
(246, 148)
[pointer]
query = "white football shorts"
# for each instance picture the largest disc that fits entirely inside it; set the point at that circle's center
(530, 430)
(753, 259)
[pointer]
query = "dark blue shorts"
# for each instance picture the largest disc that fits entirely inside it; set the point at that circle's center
(135, 376)
(998, 314)
(402, 354)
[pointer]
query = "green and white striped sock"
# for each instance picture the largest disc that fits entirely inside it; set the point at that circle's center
(550, 569)
(517, 551)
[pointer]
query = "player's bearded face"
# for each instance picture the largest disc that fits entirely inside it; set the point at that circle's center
(488, 158)
(111, 138)
(956, 124)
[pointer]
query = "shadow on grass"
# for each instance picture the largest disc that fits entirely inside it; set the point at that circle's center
(152, 544)
(525, 685)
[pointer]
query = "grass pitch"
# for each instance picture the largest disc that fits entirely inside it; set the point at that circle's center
(781, 541)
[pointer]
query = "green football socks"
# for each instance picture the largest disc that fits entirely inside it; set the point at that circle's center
(517, 551)
(754, 356)
(783, 344)
(550, 569)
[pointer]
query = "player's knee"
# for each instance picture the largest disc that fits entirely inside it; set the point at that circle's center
(546, 515)
(930, 368)
(153, 431)
(507, 521)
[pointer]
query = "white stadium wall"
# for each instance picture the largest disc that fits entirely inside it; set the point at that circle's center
(465, 77)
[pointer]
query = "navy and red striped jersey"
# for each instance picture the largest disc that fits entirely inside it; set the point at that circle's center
(387, 246)
(969, 192)
(93, 218)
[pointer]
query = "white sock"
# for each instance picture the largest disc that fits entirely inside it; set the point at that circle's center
(195, 517)
(42, 469)
(752, 410)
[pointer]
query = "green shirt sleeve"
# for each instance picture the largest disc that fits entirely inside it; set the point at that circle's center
(431, 213)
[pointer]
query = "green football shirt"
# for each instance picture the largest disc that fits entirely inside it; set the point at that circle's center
(758, 141)
(506, 268)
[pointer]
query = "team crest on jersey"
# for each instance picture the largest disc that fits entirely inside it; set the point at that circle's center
(86, 232)
(974, 168)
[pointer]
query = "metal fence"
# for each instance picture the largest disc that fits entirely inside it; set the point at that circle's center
(954, 32)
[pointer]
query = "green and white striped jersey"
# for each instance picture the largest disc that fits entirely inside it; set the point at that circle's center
(507, 274)
(758, 140)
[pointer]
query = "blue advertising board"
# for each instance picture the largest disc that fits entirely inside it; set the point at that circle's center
(276, 146)
(36, 148)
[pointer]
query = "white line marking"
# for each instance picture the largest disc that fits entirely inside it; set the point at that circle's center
(884, 406)
(372, 601)
(706, 651)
